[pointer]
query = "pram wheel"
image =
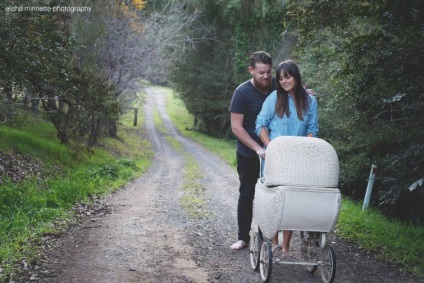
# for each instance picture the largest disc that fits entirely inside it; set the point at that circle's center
(265, 265)
(255, 248)
(328, 265)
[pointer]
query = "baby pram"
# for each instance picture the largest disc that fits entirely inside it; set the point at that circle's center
(298, 191)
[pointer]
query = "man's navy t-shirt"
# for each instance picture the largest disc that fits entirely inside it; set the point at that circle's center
(248, 100)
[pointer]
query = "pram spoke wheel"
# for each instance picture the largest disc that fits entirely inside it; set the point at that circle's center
(255, 248)
(328, 264)
(265, 260)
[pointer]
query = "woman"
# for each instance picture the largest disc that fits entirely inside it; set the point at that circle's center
(287, 111)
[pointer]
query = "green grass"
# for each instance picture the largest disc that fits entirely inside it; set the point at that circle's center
(392, 241)
(44, 204)
(184, 122)
(193, 200)
(31, 139)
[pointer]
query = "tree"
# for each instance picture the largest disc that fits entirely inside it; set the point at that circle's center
(368, 59)
(34, 56)
(38, 65)
(217, 66)
(83, 68)
(133, 40)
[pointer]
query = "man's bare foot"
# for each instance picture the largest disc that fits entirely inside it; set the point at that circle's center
(240, 244)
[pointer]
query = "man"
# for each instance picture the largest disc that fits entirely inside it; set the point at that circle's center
(245, 106)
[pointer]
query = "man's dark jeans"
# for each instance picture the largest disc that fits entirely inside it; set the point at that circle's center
(248, 170)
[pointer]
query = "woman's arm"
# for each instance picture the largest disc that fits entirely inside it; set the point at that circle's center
(312, 129)
(264, 136)
(265, 116)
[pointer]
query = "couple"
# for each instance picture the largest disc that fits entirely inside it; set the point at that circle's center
(262, 109)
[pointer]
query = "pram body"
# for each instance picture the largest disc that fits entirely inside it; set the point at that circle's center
(298, 191)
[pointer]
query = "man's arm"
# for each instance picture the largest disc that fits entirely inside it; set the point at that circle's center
(242, 135)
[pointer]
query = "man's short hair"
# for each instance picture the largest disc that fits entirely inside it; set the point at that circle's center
(260, 57)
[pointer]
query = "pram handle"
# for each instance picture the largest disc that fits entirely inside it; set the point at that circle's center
(261, 175)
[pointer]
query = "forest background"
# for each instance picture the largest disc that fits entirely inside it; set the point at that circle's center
(363, 59)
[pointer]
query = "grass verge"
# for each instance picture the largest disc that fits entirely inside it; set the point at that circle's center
(43, 203)
(392, 241)
(193, 200)
(184, 122)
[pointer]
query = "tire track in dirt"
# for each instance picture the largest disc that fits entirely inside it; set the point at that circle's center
(143, 239)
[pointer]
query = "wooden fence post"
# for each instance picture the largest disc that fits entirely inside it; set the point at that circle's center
(135, 116)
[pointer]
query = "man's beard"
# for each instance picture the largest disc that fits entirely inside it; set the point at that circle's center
(262, 85)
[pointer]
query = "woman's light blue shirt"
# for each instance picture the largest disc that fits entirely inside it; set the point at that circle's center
(287, 126)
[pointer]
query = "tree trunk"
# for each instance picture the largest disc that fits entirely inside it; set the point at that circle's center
(8, 102)
(35, 103)
(113, 129)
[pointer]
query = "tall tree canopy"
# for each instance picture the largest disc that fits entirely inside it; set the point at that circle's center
(206, 77)
(83, 68)
(367, 58)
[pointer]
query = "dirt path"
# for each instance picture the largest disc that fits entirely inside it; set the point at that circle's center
(147, 237)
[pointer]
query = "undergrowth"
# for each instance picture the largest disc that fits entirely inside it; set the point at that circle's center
(43, 203)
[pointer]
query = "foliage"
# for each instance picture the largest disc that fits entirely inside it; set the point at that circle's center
(367, 61)
(133, 40)
(33, 55)
(183, 120)
(111, 171)
(52, 179)
(220, 64)
(83, 69)
(393, 241)
(39, 71)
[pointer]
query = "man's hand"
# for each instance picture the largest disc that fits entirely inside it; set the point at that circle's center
(310, 91)
(261, 152)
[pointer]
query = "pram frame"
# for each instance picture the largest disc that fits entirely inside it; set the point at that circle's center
(314, 249)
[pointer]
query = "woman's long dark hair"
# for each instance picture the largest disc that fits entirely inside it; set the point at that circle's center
(301, 99)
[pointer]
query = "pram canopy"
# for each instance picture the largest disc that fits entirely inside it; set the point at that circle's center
(301, 161)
